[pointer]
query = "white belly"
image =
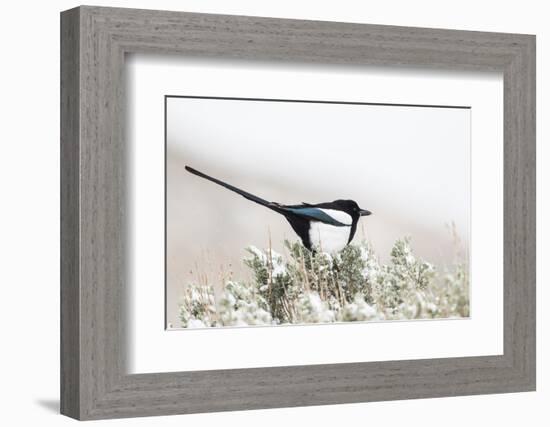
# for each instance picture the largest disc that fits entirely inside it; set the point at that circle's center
(328, 238)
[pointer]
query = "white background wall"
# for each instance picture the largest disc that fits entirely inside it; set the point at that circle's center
(29, 224)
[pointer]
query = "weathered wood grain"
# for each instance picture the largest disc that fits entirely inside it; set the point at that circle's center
(70, 220)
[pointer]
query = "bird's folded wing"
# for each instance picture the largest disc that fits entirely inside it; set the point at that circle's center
(314, 214)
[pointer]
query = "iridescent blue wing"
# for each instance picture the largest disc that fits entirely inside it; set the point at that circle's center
(314, 214)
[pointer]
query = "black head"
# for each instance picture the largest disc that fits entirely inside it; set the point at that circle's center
(351, 207)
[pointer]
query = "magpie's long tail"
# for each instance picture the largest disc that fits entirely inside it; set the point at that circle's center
(243, 193)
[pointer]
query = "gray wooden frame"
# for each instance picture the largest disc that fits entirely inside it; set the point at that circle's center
(94, 41)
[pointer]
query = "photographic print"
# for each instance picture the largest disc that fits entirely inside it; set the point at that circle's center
(293, 212)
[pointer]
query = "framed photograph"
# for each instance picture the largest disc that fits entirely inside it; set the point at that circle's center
(262, 213)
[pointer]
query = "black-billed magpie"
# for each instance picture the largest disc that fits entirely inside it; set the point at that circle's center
(328, 227)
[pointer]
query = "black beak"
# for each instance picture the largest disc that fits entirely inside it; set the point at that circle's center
(364, 212)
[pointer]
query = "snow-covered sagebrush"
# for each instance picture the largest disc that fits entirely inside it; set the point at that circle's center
(306, 287)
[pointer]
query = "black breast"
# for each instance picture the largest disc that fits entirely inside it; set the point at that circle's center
(301, 228)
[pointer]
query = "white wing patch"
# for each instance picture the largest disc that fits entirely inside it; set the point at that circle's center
(339, 216)
(328, 238)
